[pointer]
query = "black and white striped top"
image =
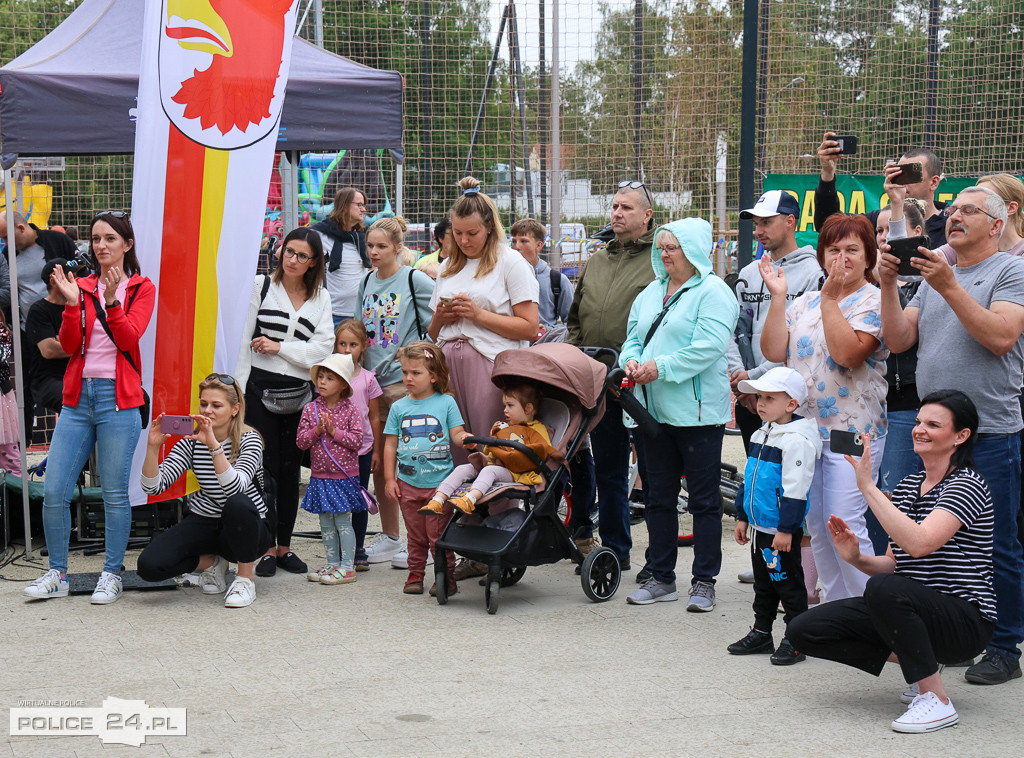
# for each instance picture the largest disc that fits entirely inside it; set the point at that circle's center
(963, 566)
(305, 335)
(214, 488)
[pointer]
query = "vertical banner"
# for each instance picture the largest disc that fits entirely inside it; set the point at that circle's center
(211, 88)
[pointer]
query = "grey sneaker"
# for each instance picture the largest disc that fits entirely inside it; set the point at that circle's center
(702, 597)
(214, 579)
(653, 591)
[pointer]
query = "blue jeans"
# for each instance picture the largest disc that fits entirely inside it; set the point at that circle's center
(694, 452)
(610, 441)
(95, 420)
(997, 459)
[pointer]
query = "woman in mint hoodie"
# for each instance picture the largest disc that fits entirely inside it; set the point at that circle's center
(678, 335)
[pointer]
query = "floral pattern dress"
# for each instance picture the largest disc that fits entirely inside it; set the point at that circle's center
(839, 397)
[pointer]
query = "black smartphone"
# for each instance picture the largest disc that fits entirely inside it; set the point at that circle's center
(910, 173)
(847, 144)
(905, 249)
(846, 443)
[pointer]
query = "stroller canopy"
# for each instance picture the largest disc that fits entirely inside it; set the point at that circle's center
(561, 366)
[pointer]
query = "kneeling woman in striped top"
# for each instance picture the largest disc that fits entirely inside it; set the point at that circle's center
(929, 600)
(227, 519)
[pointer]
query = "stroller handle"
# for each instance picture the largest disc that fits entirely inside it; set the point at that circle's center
(517, 446)
(629, 403)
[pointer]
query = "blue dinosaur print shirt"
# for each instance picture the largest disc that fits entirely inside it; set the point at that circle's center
(839, 397)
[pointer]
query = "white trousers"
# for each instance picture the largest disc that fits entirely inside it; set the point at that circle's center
(834, 492)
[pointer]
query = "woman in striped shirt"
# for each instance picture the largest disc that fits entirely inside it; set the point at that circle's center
(929, 600)
(227, 518)
(290, 330)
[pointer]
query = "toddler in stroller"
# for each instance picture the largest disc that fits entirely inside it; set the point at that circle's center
(500, 464)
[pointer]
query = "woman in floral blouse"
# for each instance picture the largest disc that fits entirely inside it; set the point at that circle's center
(834, 339)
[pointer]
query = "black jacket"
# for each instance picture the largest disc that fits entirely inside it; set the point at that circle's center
(339, 235)
(54, 244)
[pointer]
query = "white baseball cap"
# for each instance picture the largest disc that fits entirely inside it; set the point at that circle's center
(778, 379)
(772, 203)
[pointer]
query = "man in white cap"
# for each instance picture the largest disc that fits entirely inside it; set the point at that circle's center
(775, 218)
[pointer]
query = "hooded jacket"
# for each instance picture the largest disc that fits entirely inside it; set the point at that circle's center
(689, 345)
(803, 274)
(610, 282)
(780, 467)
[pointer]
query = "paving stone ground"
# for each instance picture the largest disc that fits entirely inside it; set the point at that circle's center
(363, 670)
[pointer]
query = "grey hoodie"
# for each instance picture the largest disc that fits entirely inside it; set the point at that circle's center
(803, 274)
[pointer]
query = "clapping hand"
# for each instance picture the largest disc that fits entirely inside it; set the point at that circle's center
(846, 542)
(329, 425)
(110, 281)
(66, 285)
(775, 282)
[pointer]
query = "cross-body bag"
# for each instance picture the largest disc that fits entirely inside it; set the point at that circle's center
(654, 327)
(368, 498)
(287, 400)
(102, 316)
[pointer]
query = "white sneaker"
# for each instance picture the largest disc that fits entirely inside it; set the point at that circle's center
(108, 589)
(926, 714)
(214, 580)
(50, 584)
(915, 689)
(746, 577)
(319, 574)
(384, 549)
(241, 593)
(401, 559)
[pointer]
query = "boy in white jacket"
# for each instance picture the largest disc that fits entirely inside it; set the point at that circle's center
(773, 503)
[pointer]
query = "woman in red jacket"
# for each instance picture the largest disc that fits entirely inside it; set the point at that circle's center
(105, 317)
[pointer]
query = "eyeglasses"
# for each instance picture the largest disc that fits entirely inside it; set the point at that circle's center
(965, 210)
(115, 214)
(222, 378)
(636, 185)
(670, 249)
(300, 257)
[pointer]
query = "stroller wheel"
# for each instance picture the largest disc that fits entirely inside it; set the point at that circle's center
(441, 576)
(600, 574)
(684, 540)
(491, 593)
(510, 575)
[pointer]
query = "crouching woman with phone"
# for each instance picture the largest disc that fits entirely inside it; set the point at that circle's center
(227, 519)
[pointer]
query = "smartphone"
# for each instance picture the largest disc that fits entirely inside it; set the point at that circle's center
(910, 173)
(847, 144)
(846, 443)
(446, 300)
(905, 249)
(177, 425)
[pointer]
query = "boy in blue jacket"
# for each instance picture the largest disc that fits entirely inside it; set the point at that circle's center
(773, 503)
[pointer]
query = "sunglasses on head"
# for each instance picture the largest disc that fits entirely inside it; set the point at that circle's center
(222, 378)
(115, 214)
(626, 183)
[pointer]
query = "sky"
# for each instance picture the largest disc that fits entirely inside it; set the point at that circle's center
(579, 19)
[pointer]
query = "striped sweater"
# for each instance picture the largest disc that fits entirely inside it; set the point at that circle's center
(214, 488)
(306, 335)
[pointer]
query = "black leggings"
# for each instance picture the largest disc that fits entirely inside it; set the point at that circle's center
(896, 615)
(282, 458)
(240, 535)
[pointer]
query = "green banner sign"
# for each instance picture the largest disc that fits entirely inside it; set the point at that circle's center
(857, 194)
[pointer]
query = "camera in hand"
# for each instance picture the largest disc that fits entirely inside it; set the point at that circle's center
(80, 265)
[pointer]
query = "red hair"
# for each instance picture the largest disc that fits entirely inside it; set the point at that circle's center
(842, 225)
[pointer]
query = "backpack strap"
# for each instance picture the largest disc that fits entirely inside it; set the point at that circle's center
(556, 288)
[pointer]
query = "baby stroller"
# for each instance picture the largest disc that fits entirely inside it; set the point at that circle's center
(572, 386)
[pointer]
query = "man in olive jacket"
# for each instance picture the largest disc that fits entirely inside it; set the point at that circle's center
(607, 287)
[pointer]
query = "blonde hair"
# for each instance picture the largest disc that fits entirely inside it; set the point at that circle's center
(358, 328)
(467, 205)
(1011, 190)
(432, 356)
(394, 228)
(237, 426)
